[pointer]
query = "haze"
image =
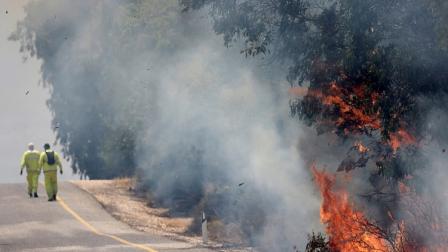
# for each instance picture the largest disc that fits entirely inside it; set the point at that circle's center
(24, 117)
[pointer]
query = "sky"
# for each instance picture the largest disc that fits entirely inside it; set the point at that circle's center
(24, 117)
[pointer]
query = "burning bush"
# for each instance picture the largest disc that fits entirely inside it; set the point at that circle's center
(369, 72)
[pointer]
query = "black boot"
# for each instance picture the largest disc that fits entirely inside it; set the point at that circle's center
(54, 197)
(35, 195)
(30, 194)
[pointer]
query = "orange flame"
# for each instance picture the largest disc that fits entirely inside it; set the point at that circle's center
(425, 228)
(401, 137)
(361, 148)
(350, 112)
(303, 91)
(298, 91)
(402, 188)
(355, 112)
(348, 229)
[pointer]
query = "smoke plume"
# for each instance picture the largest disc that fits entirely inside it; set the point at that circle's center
(143, 88)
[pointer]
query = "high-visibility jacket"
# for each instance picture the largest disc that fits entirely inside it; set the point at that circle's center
(30, 160)
(43, 161)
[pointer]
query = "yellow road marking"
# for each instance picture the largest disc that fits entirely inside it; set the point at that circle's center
(94, 230)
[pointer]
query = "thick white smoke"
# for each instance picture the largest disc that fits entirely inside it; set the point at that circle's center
(201, 114)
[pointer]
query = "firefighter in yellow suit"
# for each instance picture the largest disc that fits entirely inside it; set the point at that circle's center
(30, 160)
(50, 161)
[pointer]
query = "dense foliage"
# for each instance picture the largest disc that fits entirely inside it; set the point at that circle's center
(370, 71)
(369, 66)
(396, 49)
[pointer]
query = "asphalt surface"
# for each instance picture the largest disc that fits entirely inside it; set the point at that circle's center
(38, 225)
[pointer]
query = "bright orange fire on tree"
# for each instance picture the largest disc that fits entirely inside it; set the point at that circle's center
(355, 111)
(349, 112)
(401, 137)
(361, 147)
(347, 228)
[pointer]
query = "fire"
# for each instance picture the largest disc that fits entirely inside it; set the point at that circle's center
(424, 227)
(355, 117)
(348, 229)
(356, 110)
(298, 91)
(348, 112)
(401, 137)
(303, 91)
(361, 148)
(402, 188)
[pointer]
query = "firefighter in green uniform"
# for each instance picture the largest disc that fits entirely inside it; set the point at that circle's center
(30, 160)
(50, 161)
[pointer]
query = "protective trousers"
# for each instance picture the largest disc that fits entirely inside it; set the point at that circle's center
(33, 179)
(51, 183)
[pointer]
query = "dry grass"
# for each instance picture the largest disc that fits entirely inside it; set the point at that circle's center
(119, 199)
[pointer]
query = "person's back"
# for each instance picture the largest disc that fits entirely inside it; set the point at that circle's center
(50, 161)
(30, 161)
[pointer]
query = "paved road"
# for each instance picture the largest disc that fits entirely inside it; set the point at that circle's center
(75, 223)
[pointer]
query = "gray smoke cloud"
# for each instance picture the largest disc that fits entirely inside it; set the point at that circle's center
(25, 118)
(194, 117)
